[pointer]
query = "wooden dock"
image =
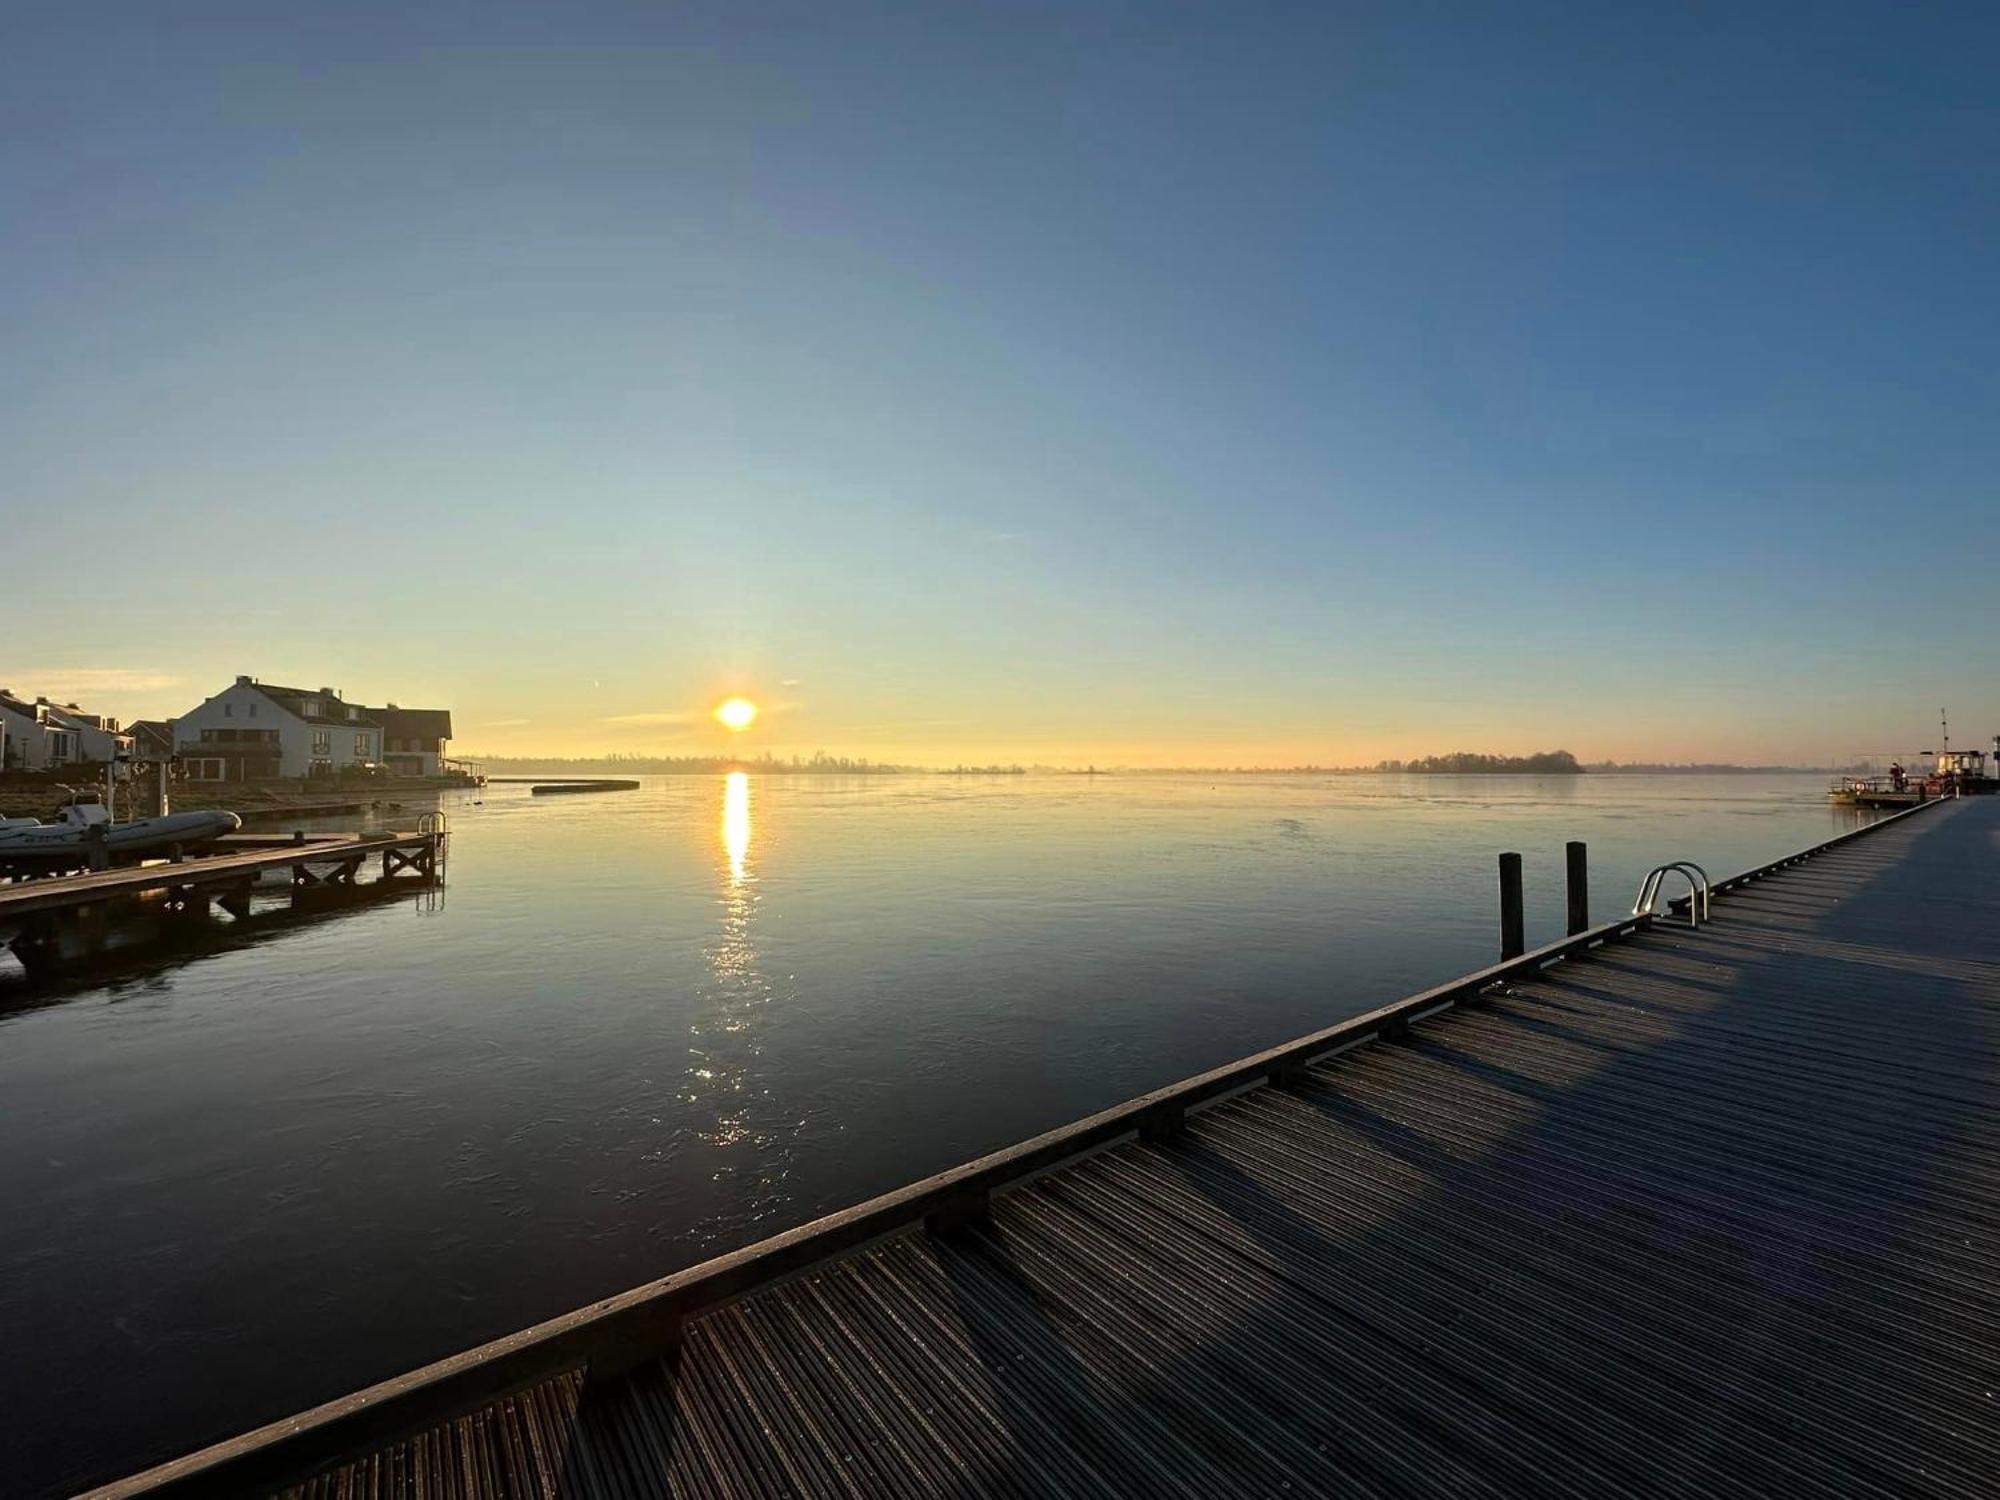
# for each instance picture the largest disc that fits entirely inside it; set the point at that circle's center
(1650, 1211)
(35, 915)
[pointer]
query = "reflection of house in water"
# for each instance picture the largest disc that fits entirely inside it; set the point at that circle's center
(735, 1112)
(149, 952)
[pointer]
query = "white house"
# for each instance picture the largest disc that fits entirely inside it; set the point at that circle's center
(255, 730)
(27, 740)
(99, 740)
(45, 736)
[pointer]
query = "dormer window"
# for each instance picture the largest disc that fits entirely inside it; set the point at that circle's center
(310, 709)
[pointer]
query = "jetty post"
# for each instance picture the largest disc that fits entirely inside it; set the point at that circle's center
(1576, 884)
(1513, 935)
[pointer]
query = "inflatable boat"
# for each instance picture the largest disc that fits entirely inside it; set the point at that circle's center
(82, 823)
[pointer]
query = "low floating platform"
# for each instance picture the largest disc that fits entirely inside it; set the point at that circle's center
(279, 814)
(555, 788)
(1879, 799)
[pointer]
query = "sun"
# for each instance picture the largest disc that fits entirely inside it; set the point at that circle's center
(736, 713)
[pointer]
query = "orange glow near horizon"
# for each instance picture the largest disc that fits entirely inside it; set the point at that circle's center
(736, 714)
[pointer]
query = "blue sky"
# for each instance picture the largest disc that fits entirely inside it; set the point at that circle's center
(1212, 383)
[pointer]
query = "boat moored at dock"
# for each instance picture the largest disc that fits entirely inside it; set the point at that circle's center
(1952, 773)
(85, 830)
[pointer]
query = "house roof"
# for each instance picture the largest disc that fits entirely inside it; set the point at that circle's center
(69, 716)
(293, 701)
(414, 723)
(52, 715)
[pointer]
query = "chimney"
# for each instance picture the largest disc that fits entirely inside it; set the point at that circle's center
(328, 693)
(243, 679)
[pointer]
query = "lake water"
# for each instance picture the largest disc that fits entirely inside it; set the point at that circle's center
(639, 1029)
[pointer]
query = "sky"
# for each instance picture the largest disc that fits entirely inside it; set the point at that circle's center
(1153, 384)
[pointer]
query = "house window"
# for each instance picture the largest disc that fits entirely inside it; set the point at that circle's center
(322, 742)
(361, 747)
(229, 710)
(203, 768)
(253, 710)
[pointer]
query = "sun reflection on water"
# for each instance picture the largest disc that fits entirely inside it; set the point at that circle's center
(725, 1079)
(736, 823)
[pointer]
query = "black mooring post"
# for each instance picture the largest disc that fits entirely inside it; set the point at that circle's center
(1513, 941)
(1578, 886)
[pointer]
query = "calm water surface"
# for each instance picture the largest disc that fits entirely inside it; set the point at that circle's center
(637, 1030)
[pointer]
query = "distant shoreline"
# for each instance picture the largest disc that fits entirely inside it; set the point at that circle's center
(501, 769)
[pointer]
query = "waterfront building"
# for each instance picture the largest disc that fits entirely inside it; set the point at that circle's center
(414, 740)
(39, 735)
(253, 731)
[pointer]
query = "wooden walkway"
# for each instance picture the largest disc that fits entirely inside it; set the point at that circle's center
(1710, 1211)
(326, 859)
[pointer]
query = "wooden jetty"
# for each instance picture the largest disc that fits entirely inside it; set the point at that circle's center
(35, 914)
(1656, 1209)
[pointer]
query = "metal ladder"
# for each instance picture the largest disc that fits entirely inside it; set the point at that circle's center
(1698, 892)
(437, 827)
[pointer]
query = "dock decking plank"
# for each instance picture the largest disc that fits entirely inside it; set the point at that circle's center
(1710, 1210)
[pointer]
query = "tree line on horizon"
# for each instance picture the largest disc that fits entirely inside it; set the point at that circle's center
(1469, 763)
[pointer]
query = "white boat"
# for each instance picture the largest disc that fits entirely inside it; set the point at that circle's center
(82, 823)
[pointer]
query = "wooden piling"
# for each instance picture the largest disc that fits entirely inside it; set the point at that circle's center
(1576, 884)
(1513, 929)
